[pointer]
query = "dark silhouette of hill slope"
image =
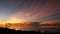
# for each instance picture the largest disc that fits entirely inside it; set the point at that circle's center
(11, 31)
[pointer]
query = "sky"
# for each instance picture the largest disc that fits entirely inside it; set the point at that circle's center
(29, 10)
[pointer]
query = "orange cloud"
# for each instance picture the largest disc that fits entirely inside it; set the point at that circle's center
(49, 22)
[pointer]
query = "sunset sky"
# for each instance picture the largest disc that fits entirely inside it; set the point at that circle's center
(29, 10)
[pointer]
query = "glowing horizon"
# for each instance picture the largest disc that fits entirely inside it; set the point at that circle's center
(21, 11)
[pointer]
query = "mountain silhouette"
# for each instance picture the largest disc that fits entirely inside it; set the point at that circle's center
(12, 31)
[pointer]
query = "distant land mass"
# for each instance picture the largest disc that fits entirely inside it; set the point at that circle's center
(29, 26)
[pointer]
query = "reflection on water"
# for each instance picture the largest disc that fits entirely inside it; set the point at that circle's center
(50, 28)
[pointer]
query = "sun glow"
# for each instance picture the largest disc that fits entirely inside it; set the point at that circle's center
(14, 20)
(2, 22)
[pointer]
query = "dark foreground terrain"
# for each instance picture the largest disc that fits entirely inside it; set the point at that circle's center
(11, 31)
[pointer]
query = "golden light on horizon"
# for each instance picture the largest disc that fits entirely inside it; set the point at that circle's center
(2, 22)
(14, 19)
(15, 27)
